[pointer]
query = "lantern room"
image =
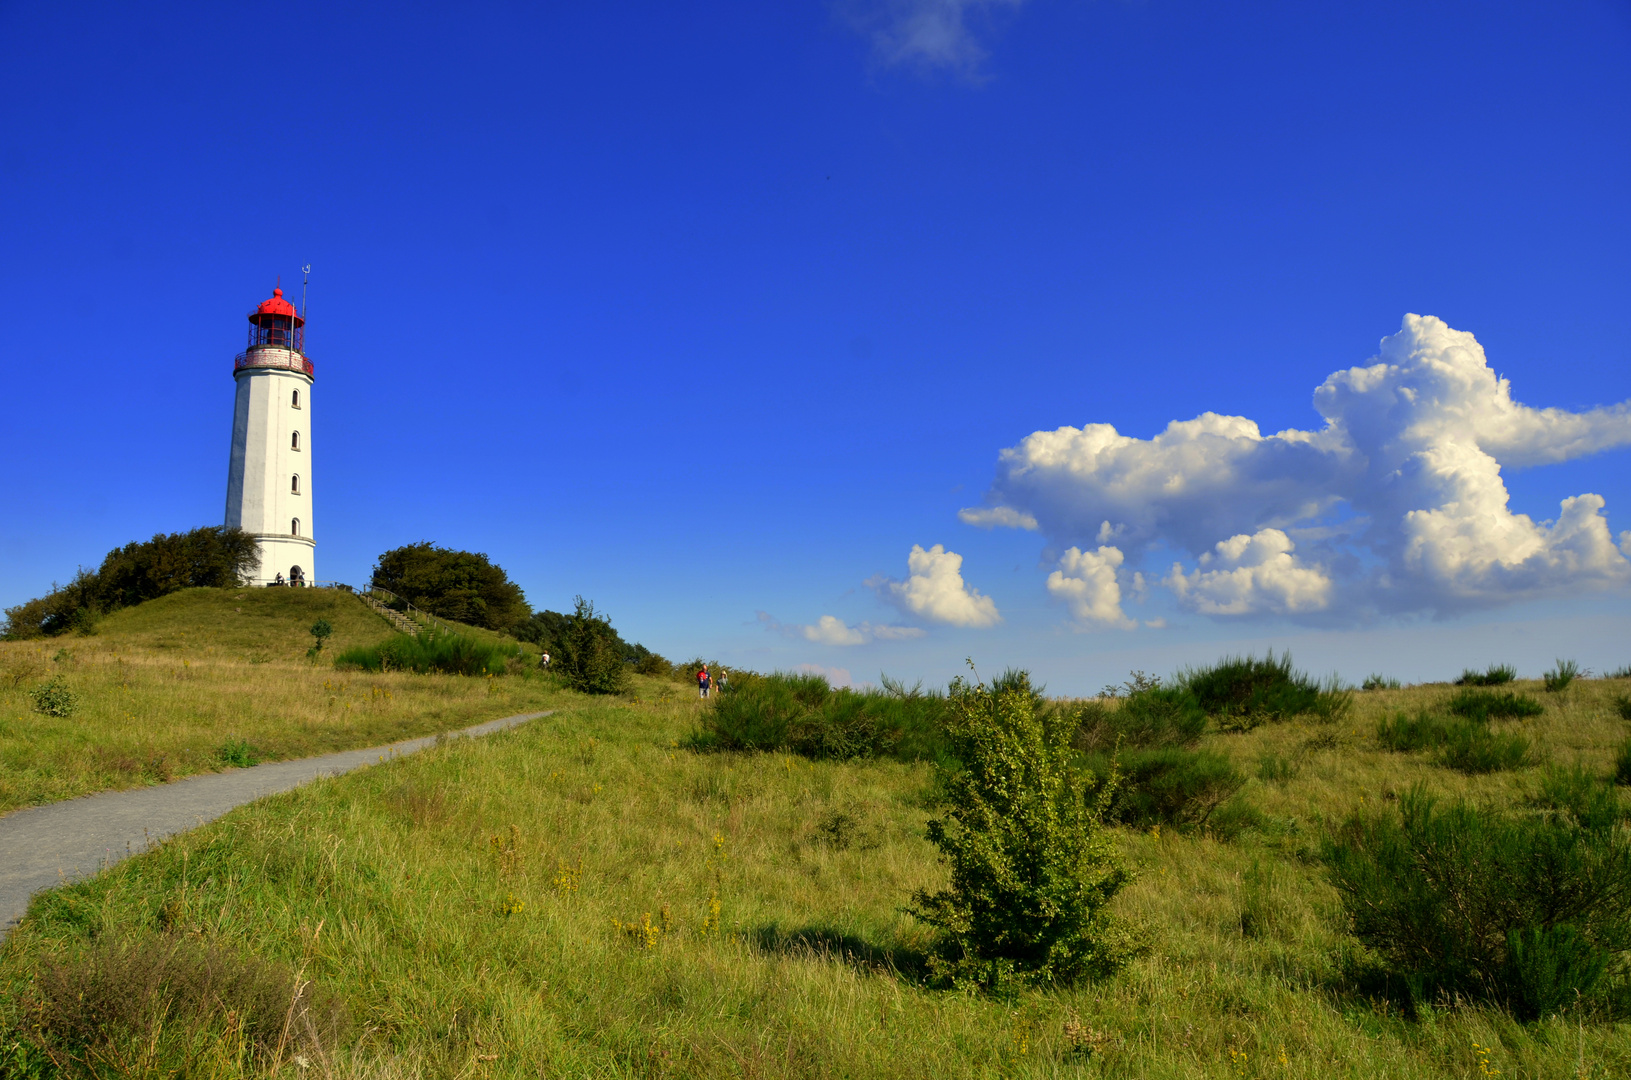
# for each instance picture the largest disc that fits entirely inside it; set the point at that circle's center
(276, 323)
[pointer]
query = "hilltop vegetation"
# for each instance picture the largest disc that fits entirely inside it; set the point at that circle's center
(215, 557)
(587, 896)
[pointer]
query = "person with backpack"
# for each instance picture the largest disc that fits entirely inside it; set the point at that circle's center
(703, 682)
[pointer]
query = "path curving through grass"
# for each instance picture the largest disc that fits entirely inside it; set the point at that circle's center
(45, 846)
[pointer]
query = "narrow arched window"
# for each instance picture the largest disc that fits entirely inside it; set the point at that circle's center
(294, 443)
(296, 401)
(294, 527)
(294, 485)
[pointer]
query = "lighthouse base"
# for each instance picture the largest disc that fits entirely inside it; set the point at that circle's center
(295, 557)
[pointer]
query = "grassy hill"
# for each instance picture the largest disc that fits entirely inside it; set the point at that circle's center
(179, 685)
(583, 897)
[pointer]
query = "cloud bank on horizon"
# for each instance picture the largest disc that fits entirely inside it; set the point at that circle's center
(1395, 506)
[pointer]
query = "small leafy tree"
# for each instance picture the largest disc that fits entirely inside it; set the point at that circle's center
(1032, 869)
(320, 630)
(465, 586)
(590, 657)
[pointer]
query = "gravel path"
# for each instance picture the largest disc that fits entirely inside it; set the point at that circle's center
(45, 846)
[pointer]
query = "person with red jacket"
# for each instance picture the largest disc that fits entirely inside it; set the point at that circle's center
(703, 682)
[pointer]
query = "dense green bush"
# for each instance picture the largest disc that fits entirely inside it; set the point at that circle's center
(451, 654)
(589, 656)
(549, 630)
(1494, 675)
(1525, 911)
(1379, 682)
(464, 586)
(1240, 693)
(1032, 870)
(1154, 716)
(1168, 786)
(802, 714)
(1493, 704)
(214, 556)
(1622, 705)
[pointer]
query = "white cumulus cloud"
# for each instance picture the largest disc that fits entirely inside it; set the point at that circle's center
(1395, 503)
(1087, 582)
(1252, 574)
(934, 589)
(997, 516)
(831, 630)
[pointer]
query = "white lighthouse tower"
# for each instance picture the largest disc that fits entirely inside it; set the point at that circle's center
(269, 480)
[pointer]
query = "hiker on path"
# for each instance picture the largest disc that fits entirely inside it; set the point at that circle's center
(702, 682)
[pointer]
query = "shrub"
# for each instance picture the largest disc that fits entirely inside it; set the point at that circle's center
(801, 713)
(1243, 692)
(1494, 675)
(1619, 673)
(1158, 716)
(1379, 682)
(237, 753)
(451, 654)
(1168, 786)
(1032, 869)
(1578, 797)
(55, 698)
(1474, 749)
(168, 1006)
(589, 656)
(1622, 705)
(1491, 704)
(1561, 676)
(465, 586)
(1523, 911)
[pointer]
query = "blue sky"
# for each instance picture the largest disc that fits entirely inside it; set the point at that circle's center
(712, 313)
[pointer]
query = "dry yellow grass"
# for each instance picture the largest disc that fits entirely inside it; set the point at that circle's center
(474, 904)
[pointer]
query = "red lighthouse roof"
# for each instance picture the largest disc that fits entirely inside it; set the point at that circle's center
(266, 314)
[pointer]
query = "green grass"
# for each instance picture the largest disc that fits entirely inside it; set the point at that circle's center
(484, 910)
(160, 687)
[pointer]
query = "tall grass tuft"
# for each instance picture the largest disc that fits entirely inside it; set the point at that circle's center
(1378, 681)
(163, 1005)
(1561, 676)
(1575, 795)
(1464, 744)
(1494, 675)
(1622, 765)
(1462, 901)
(1242, 692)
(451, 654)
(1485, 705)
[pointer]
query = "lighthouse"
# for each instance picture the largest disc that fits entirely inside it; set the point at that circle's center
(269, 479)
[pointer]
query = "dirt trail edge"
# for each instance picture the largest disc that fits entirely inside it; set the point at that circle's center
(42, 847)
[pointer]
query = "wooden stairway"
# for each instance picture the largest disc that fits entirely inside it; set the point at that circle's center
(390, 615)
